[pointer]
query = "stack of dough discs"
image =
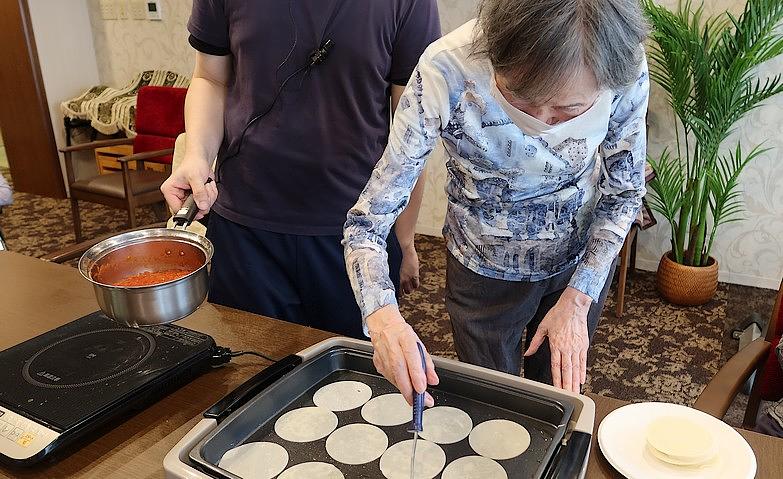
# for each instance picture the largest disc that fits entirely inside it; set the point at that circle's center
(342, 395)
(312, 470)
(387, 410)
(680, 441)
(396, 462)
(306, 424)
(445, 425)
(357, 444)
(499, 439)
(255, 460)
(474, 467)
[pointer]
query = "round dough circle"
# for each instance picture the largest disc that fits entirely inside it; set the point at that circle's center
(499, 439)
(312, 470)
(306, 424)
(396, 462)
(387, 410)
(342, 395)
(474, 467)
(680, 440)
(356, 444)
(445, 425)
(259, 460)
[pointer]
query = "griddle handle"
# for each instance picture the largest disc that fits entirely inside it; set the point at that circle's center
(569, 460)
(250, 388)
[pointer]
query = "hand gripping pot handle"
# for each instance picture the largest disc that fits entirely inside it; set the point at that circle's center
(188, 211)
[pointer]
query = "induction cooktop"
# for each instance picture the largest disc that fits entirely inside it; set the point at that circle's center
(61, 387)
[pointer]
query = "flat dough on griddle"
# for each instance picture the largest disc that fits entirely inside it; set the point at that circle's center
(312, 470)
(499, 439)
(396, 462)
(357, 444)
(342, 395)
(255, 460)
(306, 424)
(445, 425)
(387, 410)
(473, 467)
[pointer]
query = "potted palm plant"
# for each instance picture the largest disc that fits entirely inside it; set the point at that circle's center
(707, 68)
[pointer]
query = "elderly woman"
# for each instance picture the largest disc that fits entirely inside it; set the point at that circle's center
(540, 105)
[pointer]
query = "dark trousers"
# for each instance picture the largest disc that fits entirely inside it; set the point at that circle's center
(300, 279)
(489, 317)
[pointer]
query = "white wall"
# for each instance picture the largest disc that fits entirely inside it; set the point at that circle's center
(749, 252)
(127, 47)
(63, 37)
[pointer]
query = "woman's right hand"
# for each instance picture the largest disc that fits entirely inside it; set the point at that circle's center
(191, 175)
(396, 355)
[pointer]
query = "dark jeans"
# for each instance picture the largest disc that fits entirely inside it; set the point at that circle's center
(300, 279)
(489, 317)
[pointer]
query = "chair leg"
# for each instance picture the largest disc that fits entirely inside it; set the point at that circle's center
(132, 216)
(633, 250)
(624, 256)
(161, 211)
(77, 221)
(754, 401)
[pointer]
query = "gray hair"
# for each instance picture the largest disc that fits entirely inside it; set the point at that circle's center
(539, 45)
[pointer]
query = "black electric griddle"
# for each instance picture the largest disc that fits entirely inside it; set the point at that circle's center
(58, 388)
(249, 414)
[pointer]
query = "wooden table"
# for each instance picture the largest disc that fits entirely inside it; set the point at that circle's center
(36, 296)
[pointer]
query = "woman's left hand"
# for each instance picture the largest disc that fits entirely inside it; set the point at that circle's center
(409, 269)
(566, 327)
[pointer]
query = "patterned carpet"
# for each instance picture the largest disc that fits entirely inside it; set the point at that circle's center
(656, 352)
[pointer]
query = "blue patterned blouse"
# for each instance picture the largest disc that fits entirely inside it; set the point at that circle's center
(521, 207)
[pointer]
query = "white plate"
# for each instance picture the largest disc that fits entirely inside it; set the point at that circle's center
(623, 442)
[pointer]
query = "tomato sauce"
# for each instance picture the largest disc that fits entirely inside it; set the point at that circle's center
(149, 278)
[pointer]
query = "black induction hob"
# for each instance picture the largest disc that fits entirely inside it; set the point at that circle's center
(59, 387)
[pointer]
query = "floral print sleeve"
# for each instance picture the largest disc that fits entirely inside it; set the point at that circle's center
(415, 129)
(621, 185)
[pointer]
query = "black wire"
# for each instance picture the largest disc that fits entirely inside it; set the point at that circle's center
(252, 353)
(296, 37)
(256, 118)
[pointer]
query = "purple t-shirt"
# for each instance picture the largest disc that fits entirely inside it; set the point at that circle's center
(302, 166)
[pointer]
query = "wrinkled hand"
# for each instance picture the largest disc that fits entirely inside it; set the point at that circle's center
(409, 270)
(191, 175)
(396, 355)
(566, 327)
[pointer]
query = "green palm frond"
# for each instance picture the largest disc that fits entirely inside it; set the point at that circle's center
(666, 196)
(708, 68)
(726, 202)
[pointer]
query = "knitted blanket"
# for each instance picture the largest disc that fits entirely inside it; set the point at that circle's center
(113, 110)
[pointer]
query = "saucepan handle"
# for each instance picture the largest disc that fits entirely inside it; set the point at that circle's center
(250, 388)
(188, 211)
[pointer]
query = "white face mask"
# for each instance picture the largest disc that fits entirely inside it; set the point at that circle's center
(532, 126)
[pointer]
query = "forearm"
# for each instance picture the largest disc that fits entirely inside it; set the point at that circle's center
(204, 109)
(405, 227)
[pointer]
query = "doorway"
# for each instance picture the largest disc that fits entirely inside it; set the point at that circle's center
(28, 139)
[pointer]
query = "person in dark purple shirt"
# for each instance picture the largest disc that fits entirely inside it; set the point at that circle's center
(293, 100)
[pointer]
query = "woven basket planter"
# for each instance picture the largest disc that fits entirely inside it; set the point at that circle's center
(686, 285)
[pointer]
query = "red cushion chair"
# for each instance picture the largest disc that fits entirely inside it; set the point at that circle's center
(159, 118)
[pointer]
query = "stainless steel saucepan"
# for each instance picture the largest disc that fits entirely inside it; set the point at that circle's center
(152, 250)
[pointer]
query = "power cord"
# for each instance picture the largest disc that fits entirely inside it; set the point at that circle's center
(221, 355)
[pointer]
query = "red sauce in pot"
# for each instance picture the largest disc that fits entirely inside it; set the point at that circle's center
(149, 278)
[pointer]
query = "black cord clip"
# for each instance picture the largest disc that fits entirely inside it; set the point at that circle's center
(318, 56)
